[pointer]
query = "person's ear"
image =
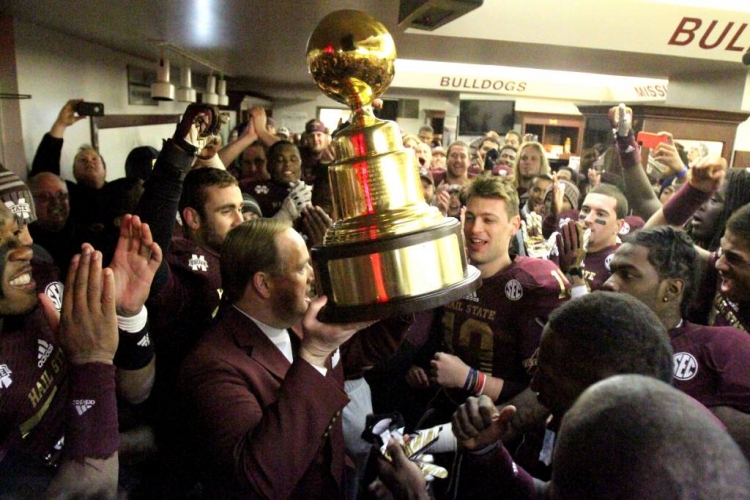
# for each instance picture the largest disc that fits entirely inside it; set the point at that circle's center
(191, 218)
(672, 290)
(262, 283)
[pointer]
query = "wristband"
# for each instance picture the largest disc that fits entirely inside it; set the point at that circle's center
(471, 380)
(135, 350)
(683, 204)
(92, 412)
(133, 324)
(185, 146)
(682, 173)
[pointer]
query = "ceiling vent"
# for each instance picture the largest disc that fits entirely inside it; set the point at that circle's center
(429, 15)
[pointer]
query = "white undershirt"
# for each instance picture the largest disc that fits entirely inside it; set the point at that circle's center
(280, 338)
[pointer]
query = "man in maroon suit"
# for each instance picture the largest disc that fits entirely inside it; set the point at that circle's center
(268, 399)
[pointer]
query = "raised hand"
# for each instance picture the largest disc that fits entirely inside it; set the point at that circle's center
(708, 174)
(448, 370)
(66, 118)
(198, 122)
(88, 323)
(316, 222)
(137, 257)
(258, 118)
(477, 423)
(572, 246)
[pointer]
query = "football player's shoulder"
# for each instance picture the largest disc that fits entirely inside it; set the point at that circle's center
(534, 272)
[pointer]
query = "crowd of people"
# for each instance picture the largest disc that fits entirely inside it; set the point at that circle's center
(605, 355)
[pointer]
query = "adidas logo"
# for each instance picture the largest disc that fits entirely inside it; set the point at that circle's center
(472, 297)
(83, 405)
(45, 349)
(145, 341)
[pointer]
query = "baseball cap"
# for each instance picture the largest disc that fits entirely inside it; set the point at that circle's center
(283, 131)
(426, 174)
(315, 126)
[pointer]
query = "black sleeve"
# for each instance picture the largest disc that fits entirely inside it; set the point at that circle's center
(47, 157)
(161, 197)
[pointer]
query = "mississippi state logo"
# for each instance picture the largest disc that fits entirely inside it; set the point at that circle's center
(608, 260)
(5, 379)
(55, 292)
(21, 209)
(685, 366)
(513, 290)
(625, 229)
(198, 262)
(261, 189)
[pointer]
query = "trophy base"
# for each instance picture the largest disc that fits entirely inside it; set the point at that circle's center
(401, 274)
(332, 313)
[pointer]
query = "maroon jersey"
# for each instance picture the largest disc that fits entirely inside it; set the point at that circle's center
(270, 194)
(712, 364)
(33, 375)
(498, 328)
(596, 267)
(189, 300)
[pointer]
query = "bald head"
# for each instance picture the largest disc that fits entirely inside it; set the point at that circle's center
(51, 198)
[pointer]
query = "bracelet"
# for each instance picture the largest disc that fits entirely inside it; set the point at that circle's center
(682, 173)
(471, 380)
(482, 380)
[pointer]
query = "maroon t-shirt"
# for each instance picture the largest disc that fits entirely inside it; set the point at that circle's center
(712, 364)
(498, 328)
(596, 267)
(269, 194)
(33, 375)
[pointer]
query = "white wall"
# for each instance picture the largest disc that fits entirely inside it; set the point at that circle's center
(53, 68)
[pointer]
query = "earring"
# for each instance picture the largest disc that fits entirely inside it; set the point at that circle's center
(665, 299)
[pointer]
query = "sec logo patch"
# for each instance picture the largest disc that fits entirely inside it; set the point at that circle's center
(513, 290)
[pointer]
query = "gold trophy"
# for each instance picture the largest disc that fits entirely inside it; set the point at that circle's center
(388, 251)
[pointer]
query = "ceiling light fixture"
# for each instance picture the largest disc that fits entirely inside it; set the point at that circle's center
(186, 92)
(222, 91)
(210, 96)
(162, 89)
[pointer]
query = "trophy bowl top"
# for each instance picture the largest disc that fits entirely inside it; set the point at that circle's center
(351, 57)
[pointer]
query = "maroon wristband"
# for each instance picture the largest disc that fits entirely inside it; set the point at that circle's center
(92, 412)
(683, 204)
(628, 150)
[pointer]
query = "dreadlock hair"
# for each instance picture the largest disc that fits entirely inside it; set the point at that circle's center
(737, 194)
(672, 253)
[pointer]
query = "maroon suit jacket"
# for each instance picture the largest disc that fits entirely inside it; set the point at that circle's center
(268, 428)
